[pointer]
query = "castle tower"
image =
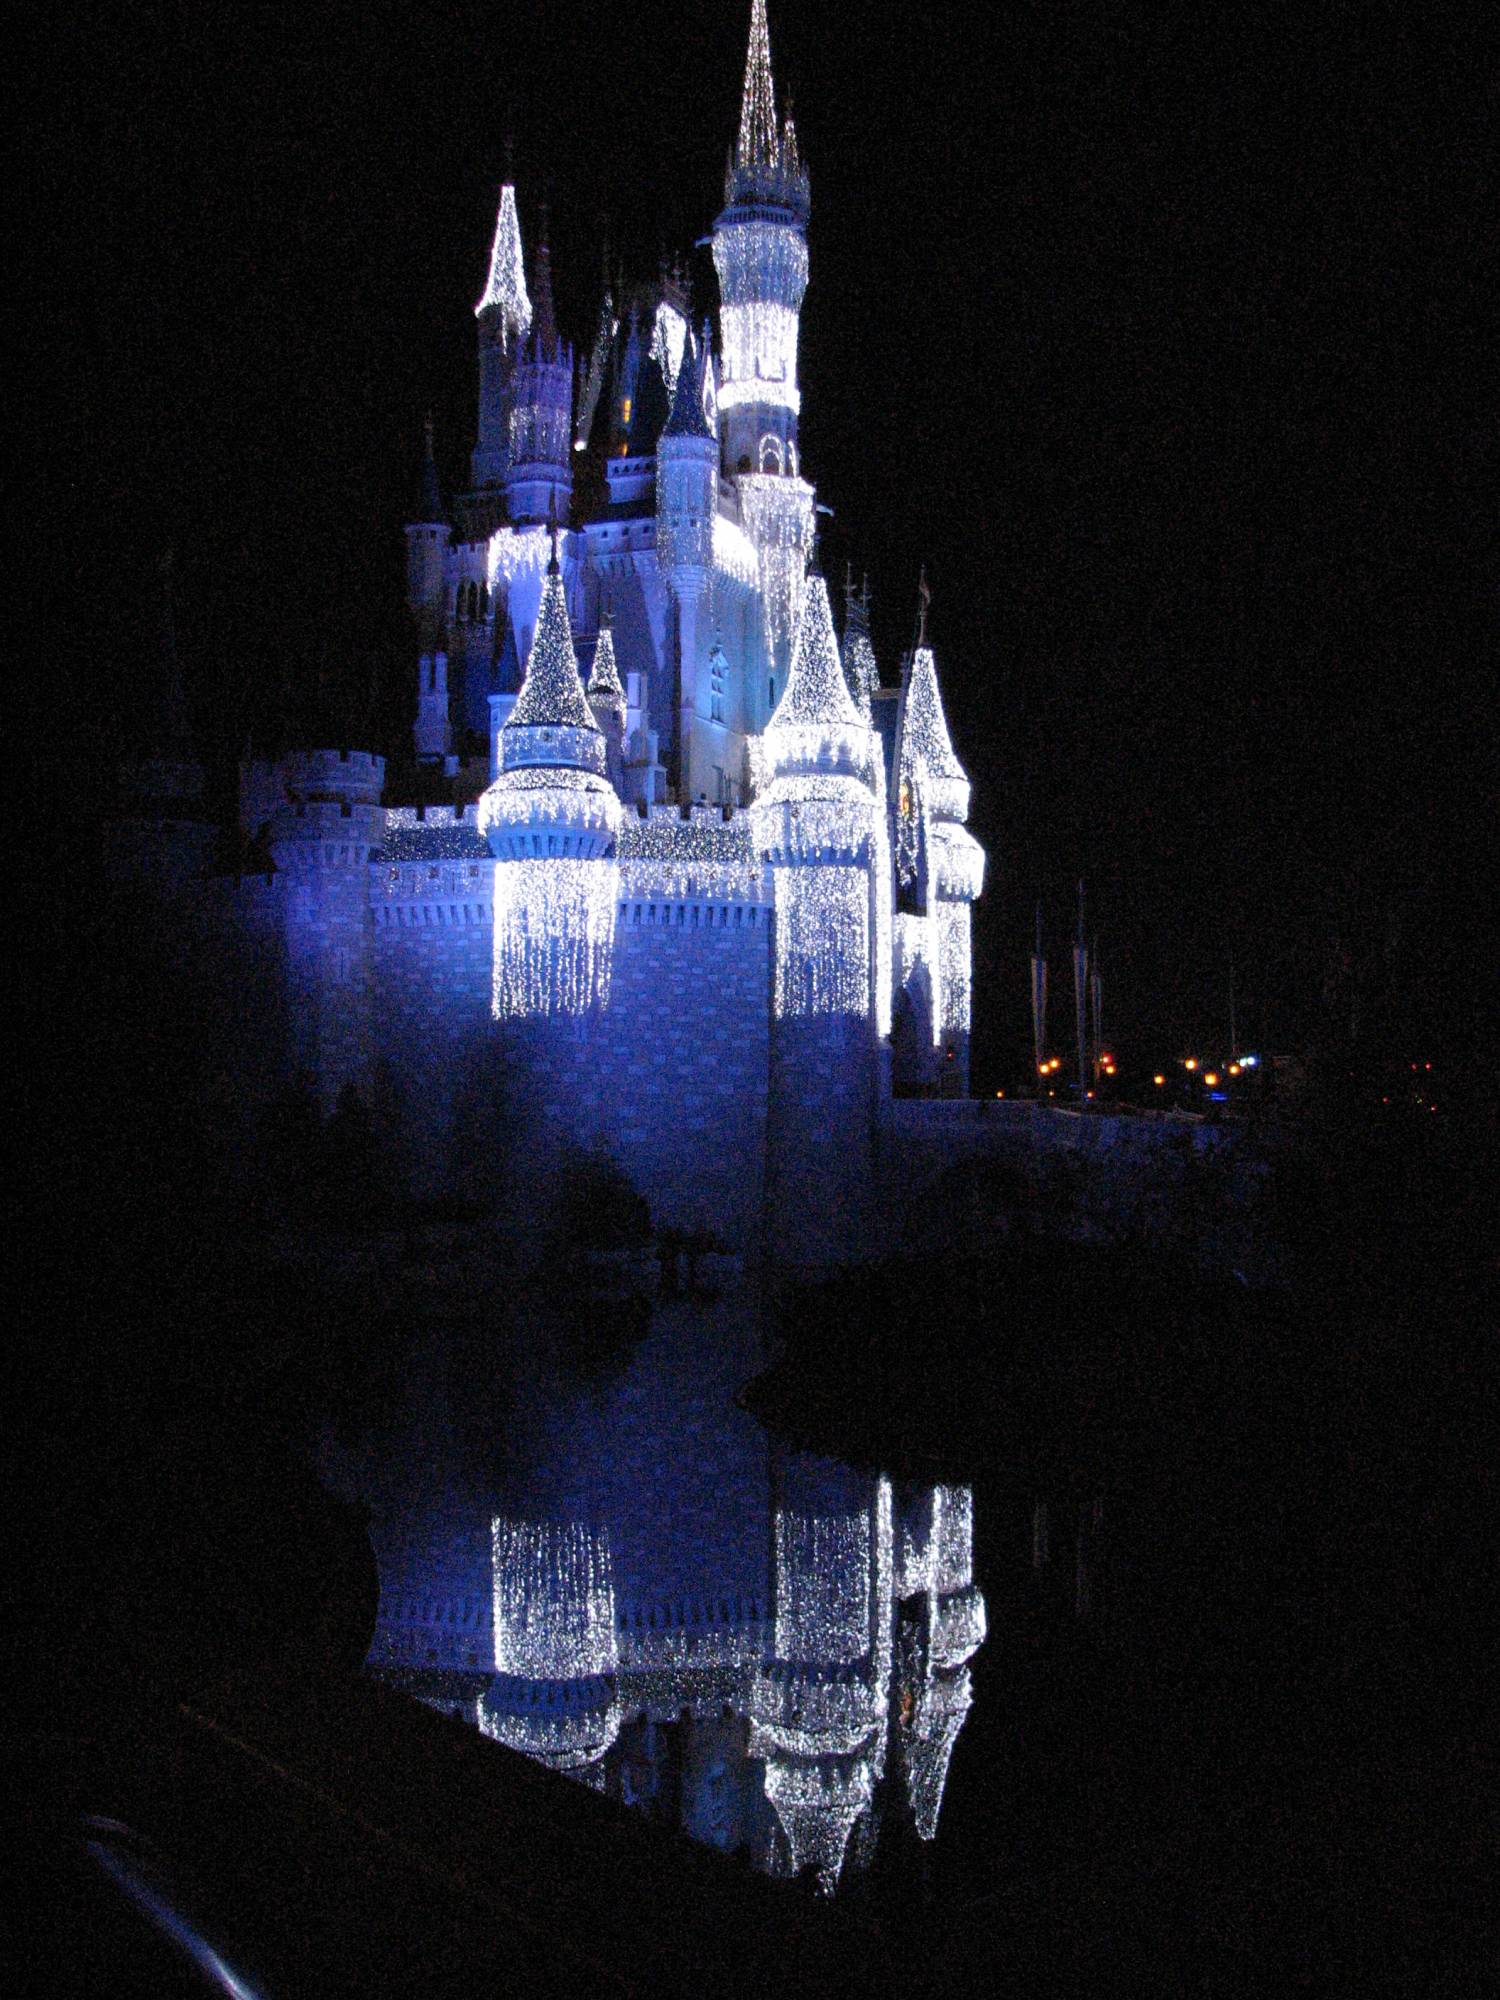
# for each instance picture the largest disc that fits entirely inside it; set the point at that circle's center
(942, 882)
(322, 840)
(504, 316)
(760, 253)
(550, 818)
(539, 467)
(687, 499)
(607, 703)
(427, 538)
(553, 1694)
(815, 822)
(818, 1707)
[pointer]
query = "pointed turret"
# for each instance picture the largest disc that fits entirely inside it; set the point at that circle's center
(539, 477)
(939, 864)
(764, 168)
(606, 697)
(504, 315)
(550, 818)
(860, 668)
(816, 694)
(687, 418)
(505, 293)
(552, 695)
(760, 253)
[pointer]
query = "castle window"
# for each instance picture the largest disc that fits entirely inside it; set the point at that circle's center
(770, 453)
(771, 692)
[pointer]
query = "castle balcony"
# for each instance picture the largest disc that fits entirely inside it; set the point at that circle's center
(550, 813)
(958, 862)
(828, 820)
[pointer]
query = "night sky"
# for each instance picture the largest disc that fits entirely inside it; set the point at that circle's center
(1153, 330)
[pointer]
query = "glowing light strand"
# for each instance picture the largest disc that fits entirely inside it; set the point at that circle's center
(554, 1599)
(505, 287)
(554, 936)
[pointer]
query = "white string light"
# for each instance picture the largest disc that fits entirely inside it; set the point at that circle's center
(505, 287)
(554, 1599)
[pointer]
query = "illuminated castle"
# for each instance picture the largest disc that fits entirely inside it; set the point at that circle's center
(704, 898)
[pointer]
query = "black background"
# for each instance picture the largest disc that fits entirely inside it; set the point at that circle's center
(1153, 331)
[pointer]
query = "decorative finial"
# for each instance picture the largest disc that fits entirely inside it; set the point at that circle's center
(924, 600)
(553, 567)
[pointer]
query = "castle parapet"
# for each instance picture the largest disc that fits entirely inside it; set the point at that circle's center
(355, 776)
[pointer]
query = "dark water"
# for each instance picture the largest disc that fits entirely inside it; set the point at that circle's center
(639, 1587)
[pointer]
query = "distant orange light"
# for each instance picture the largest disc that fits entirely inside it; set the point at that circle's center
(1191, 1063)
(1088, 1093)
(1234, 1069)
(999, 1093)
(1427, 1065)
(1211, 1077)
(1158, 1079)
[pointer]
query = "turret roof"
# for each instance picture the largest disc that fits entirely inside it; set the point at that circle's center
(604, 678)
(688, 418)
(552, 694)
(924, 726)
(816, 691)
(505, 288)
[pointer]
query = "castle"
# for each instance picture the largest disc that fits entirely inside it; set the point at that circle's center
(703, 904)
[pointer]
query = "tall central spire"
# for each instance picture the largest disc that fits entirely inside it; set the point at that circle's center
(758, 139)
(765, 169)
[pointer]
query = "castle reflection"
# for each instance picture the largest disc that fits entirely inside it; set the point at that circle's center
(652, 1596)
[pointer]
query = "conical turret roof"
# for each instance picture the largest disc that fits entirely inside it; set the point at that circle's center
(687, 418)
(816, 692)
(552, 694)
(605, 689)
(505, 288)
(924, 726)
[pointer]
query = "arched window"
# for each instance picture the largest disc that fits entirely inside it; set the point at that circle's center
(484, 600)
(770, 453)
(458, 605)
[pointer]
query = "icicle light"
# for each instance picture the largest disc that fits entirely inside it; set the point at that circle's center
(554, 936)
(822, 1586)
(822, 941)
(554, 1600)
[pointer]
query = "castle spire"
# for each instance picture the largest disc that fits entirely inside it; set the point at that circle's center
(605, 689)
(757, 145)
(546, 317)
(505, 293)
(552, 694)
(688, 417)
(765, 168)
(816, 693)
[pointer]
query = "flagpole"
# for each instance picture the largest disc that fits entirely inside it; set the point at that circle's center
(1039, 997)
(1080, 1003)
